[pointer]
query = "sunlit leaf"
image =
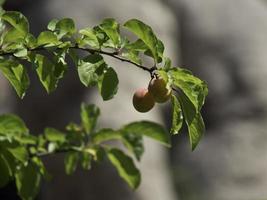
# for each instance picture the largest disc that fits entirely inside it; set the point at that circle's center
(149, 129)
(53, 135)
(17, 20)
(16, 74)
(28, 180)
(71, 162)
(194, 121)
(111, 28)
(177, 116)
(108, 85)
(145, 33)
(125, 167)
(90, 69)
(89, 116)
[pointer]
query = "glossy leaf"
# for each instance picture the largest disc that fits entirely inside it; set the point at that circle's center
(86, 159)
(13, 35)
(18, 151)
(89, 38)
(106, 134)
(28, 181)
(12, 125)
(31, 41)
(145, 33)
(16, 74)
(177, 116)
(111, 28)
(194, 88)
(52, 24)
(125, 167)
(53, 135)
(4, 171)
(71, 162)
(41, 168)
(133, 56)
(108, 85)
(65, 27)
(17, 20)
(47, 38)
(149, 129)
(193, 120)
(90, 69)
(21, 52)
(134, 144)
(89, 116)
(48, 73)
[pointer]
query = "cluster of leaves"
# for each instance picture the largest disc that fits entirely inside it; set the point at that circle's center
(21, 152)
(20, 155)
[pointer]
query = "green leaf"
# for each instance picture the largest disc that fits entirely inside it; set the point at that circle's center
(42, 170)
(89, 38)
(54, 135)
(89, 116)
(18, 151)
(28, 181)
(109, 84)
(90, 69)
(5, 171)
(65, 27)
(133, 56)
(138, 45)
(52, 24)
(167, 64)
(194, 88)
(177, 115)
(134, 144)
(12, 125)
(26, 139)
(21, 52)
(125, 167)
(16, 74)
(31, 41)
(149, 129)
(96, 151)
(105, 135)
(86, 160)
(17, 20)
(71, 162)
(194, 121)
(145, 33)
(47, 38)
(13, 35)
(48, 73)
(111, 28)
(160, 50)
(74, 56)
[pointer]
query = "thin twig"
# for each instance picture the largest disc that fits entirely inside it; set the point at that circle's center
(92, 51)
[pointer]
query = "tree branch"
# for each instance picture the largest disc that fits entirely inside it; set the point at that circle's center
(91, 51)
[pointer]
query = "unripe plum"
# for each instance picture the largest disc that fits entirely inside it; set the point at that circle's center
(143, 101)
(159, 89)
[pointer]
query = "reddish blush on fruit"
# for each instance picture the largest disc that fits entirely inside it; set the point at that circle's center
(143, 101)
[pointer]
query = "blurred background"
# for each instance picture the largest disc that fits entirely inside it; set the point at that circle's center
(223, 42)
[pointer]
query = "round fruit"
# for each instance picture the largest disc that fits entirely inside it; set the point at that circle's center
(143, 101)
(159, 89)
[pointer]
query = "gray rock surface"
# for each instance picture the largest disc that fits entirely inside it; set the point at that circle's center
(224, 42)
